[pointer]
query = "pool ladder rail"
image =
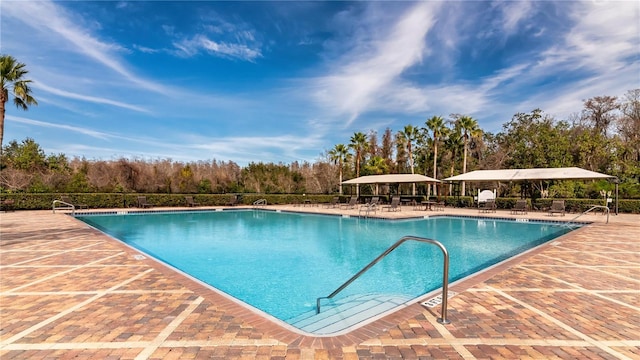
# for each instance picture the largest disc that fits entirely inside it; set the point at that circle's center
(260, 203)
(593, 207)
(63, 206)
(445, 277)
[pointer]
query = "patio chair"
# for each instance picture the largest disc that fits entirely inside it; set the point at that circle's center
(190, 201)
(487, 206)
(439, 206)
(394, 205)
(66, 199)
(557, 207)
(371, 206)
(351, 204)
(233, 201)
(142, 202)
(520, 207)
(7, 205)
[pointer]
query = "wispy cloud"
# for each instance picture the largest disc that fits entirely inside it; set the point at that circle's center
(597, 41)
(247, 147)
(193, 46)
(41, 86)
(146, 50)
(52, 20)
(75, 129)
(218, 37)
(594, 57)
(513, 14)
(243, 143)
(360, 78)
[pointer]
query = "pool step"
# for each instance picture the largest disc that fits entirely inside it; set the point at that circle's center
(344, 313)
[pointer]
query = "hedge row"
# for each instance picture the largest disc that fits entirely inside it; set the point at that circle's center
(113, 200)
(571, 205)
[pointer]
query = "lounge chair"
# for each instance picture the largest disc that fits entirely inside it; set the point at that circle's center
(335, 202)
(351, 204)
(142, 202)
(67, 200)
(371, 206)
(233, 201)
(439, 206)
(190, 201)
(394, 205)
(487, 206)
(7, 205)
(520, 207)
(557, 207)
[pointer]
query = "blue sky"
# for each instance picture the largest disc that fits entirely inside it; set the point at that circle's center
(285, 81)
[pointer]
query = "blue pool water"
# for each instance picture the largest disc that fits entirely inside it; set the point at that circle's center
(281, 262)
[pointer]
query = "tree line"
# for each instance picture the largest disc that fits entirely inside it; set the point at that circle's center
(603, 136)
(26, 168)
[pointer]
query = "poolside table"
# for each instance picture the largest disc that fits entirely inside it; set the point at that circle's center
(428, 205)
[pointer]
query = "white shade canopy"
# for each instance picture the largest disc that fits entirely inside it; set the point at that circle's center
(566, 173)
(391, 179)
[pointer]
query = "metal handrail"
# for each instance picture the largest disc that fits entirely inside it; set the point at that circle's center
(445, 276)
(68, 206)
(260, 202)
(593, 207)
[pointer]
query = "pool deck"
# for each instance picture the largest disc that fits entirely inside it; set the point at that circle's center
(69, 291)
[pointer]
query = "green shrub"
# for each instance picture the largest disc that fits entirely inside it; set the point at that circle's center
(43, 201)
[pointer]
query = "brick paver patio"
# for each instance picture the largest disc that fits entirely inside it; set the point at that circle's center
(68, 291)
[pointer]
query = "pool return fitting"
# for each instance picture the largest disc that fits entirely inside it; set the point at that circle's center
(445, 277)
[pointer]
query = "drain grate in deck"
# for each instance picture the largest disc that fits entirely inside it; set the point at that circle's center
(437, 300)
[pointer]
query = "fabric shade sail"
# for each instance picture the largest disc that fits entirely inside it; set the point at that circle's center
(391, 179)
(566, 173)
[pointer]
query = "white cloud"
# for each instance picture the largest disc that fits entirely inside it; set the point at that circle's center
(145, 49)
(191, 47)
(596, 56)
(361, 78)
(52, 20)
(513, 14)
(40, 85)
(75, 129)
(241, 147)
(598, 40)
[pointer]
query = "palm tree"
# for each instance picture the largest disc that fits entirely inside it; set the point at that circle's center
(409, 135)
(468, 128)
(359, 144)
(376, 166)
(437, 125)
(339, 155)
(12, 81)
(453, 144)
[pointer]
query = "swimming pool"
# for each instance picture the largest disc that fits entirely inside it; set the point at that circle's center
(282, 262)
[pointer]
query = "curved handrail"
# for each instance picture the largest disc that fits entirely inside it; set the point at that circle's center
(260, 202)
(68, 206)
(593, 207)
(445, 276)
